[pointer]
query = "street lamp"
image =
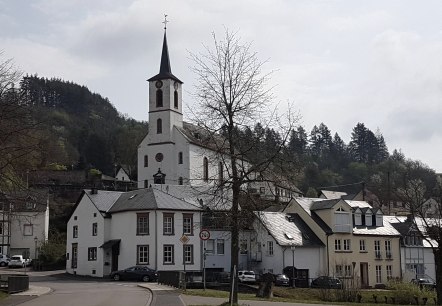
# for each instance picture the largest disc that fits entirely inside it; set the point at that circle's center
(293, 265)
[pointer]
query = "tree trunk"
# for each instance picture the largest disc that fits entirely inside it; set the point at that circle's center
(235, 244)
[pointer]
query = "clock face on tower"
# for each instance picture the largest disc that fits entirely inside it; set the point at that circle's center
(159, 84)
(159, 157)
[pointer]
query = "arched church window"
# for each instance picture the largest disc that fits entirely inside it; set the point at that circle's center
(159, 126)
(180, 157)
(146, 161)
(159, 98)
(175, 99)
(205, 169)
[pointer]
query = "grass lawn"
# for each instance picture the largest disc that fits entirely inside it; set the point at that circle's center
(3, 295)
(314, 296)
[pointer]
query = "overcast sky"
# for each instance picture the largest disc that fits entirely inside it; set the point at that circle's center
(340, 62)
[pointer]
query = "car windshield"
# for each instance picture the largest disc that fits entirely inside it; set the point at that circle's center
(16, 258)
(249, 273)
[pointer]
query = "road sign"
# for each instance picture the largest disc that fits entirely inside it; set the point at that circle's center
(184, 239)
(204, 234)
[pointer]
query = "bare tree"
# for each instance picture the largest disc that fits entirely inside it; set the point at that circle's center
(232, 94)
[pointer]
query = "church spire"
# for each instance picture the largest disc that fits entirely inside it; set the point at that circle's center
(165, 69)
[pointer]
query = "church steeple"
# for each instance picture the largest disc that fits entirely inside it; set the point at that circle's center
(165, 69)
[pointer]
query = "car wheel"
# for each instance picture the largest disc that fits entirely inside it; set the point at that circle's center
(2, 264)
(145, 278)
(116, 277)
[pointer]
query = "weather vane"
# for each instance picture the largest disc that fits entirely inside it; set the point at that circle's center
(165, 21)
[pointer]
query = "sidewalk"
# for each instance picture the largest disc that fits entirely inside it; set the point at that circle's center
(21, 297)
(163, 295)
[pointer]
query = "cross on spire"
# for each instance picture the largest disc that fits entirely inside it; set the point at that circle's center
(165, 21)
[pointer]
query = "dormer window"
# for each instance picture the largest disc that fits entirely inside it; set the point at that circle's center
(342, 221)
(159, 98)
(368, 218)
(358, 217)
(379, 218)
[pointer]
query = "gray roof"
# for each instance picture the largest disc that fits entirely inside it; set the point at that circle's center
(150, 199)
(306, 203)
(328, 194)
(103, 199)
(402, 224)
(324, 204)
(385, 230)
(280, 227)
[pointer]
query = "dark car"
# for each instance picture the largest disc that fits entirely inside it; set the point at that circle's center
(282, 280)
(424, 282)
(326, 282)
(136, 273)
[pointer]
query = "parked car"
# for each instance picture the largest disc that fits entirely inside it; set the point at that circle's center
(4, 260)
(326, 282)
(137, 273)
(424, 282)
(18, 261)
(247, 276)
(282, 280)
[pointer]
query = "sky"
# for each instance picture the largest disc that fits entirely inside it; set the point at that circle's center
(339, 62)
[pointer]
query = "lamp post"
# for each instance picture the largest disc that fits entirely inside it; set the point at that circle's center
(293, 265)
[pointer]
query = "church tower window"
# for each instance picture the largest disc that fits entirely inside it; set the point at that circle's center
(180, 158)
(159, 126)
(205, 169)
(180, 180)
(146, 161)
(159, 98)
(175, 99)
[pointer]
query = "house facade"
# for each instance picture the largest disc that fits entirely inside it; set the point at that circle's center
(361, 245)
(111, 230)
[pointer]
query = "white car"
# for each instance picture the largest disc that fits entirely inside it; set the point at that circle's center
(18, 261)
(4, 260)
(247, 276)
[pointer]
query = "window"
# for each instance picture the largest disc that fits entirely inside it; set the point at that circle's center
(337, 244)
(243, 249)
(347, 245)
(74, 255)
(180, 158)
(347, 271)
(379, 221)
(378, 274)
(389, 269)
(188, 224)
(1, 228)
(338, 270)
(29, 205)
(388, 249)
(368, 218)
(92, 254)
(159, 98)
(270, 248)
(168, 224)
(220, 246)
(143, 224)
(142, 254)
(180, 180)
(377, 248)
(168, 254)
(358, 217)
(362, 245)
(205, 169)
(75, 231)
(188, 253)
(146, 161)
(159, 126)
(175, 99)
(210, 246)
(342, 221)
(146, 183)
(220, 173)
(94, 229)
(27, 230)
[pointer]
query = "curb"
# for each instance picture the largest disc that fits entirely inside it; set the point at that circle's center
(149, 301)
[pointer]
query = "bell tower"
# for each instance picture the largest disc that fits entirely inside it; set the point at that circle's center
(165, 100)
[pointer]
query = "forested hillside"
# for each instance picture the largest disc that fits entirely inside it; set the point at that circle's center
(80, 129)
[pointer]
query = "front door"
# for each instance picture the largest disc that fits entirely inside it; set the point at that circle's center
(115, 252)
(364, 274)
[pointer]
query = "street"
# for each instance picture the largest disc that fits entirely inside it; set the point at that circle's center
(69, 291)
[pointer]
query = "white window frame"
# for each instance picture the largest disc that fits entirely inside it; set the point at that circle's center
(143, 254)
(218, 248)
(188, 253)
(94, 229)
(187, 224)
(377, 248)
(389, 269)
(347, 244)
(270, 248)
(92, 254)
(378, 274)
(338, 246)
(362, 246)
(168, 254)
(75, 231)
(210, 247)
(168, 224)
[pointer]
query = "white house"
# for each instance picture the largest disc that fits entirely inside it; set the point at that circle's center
(111, 230)
(24, 223)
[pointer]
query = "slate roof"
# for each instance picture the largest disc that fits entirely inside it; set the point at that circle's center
(402, 225)
(278, 225)
(150, 199)
(165, 69)
(386, 230)
(38, 198)
(103, 199)
(360, 204)
(324, 204)
(306, 203)
(328, 194)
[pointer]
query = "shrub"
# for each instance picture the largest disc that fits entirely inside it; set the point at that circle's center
(405, 293)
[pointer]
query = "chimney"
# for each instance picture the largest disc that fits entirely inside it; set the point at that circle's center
(94, 190)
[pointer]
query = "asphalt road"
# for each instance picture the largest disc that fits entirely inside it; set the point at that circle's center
(74, 292)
